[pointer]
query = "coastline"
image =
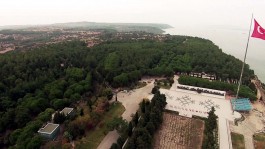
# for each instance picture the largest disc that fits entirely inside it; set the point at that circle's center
(232, 42)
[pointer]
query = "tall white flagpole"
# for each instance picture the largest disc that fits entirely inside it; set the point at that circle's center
(243, 65)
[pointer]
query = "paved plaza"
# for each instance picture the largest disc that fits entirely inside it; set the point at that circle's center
(189, 103)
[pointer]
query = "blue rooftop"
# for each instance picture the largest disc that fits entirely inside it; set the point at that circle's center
(242, 104)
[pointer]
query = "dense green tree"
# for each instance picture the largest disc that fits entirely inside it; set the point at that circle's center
(211, 138)
(74, 73)
(121, 80)
(144, 139)
(59, 103)
(75, 130)
(119, 124)
(68, 93)
(14, 136)
(22, 116)
(114, 146)
(120, 142)
(112, 61)
(75, 97)
(59, 118)
(108, 93)
(155, 89)
(131, 144)
(46, 115)
(81, 112)
(212, 119)
(34, 143)
(150, 127)
(135, 119)
(142, 105)
(130, 128)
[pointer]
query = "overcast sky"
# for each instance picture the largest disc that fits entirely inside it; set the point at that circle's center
(235, 13)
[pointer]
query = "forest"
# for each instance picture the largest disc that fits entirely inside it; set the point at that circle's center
(37, 82)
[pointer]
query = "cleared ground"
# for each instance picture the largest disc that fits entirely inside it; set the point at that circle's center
(179, 132)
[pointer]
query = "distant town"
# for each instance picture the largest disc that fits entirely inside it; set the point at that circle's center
(32, 37)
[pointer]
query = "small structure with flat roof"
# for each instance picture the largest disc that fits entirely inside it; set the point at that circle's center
(242, 104)
(67, 111)
(50, 131)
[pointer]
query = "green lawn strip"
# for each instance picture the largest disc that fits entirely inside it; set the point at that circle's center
(94, 137)
(140, 85)
(259, 140)
(259, 137)
(165, 86)
(237, 141)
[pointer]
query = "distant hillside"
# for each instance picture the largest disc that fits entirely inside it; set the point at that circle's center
(95, 24)
(120, 27)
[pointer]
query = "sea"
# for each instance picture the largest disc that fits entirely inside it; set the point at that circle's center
(231, 40)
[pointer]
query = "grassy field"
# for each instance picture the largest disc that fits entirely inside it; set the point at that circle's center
(259, 141)
(94, 137)
(165, 84)
(237, 141)
(140, 85)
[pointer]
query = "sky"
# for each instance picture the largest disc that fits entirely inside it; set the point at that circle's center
(173, 12)
(225, 22)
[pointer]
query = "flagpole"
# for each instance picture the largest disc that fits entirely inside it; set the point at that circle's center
(243, 65)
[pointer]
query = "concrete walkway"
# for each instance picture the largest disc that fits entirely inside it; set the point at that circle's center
(224, 134)
(109, 139)
(223, 111)
(244, 129)
(131, 100)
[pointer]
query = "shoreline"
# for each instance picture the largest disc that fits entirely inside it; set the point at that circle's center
(221, 38)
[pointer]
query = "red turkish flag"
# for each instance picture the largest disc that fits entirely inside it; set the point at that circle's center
(258, 31)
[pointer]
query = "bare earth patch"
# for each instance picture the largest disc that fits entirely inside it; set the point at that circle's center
(179, 132)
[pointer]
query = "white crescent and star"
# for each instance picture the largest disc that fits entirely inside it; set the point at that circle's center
(258, 29)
